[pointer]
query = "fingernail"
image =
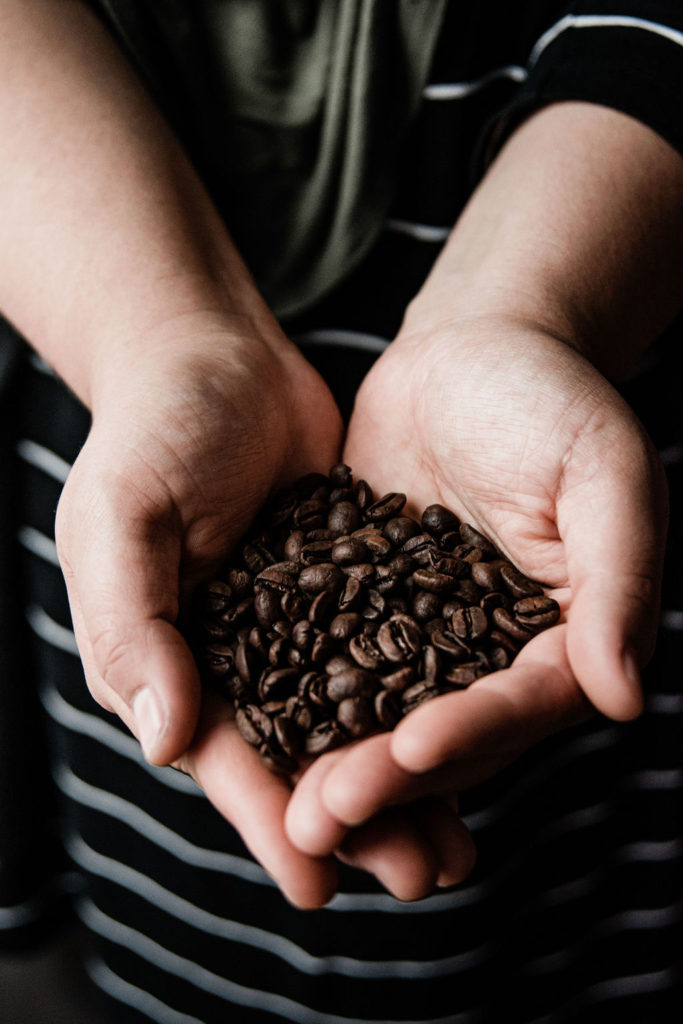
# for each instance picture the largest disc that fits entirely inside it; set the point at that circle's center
(149, 720)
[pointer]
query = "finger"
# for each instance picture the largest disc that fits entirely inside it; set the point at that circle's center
(391, 848)
(122, 578)
(614, 544)
(254, 801)
(504, 713)
(438, 821)
(308, 823)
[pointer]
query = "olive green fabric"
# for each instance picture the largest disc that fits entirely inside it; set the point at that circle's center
(294, 111)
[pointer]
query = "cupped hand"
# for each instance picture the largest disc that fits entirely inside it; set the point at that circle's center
(186, 443)
(517, 433)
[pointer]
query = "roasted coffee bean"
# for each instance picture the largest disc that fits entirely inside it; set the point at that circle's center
(426, 605)
(400, 679)
(366, 652)
(352, 596)
(517, 584)
(470, 624)
(316, 551)
(430, 579)
(400, 529)
(325, 576)
(355, 715)
(505, 622)
(469, 535)
(323, 737)
(278, 684)
(350, 551)
(387, 708)
(253, 724)
(219, 659)
(400, 639)
(354, 682)
(437, 519)
(536, 612)
(385, 508)
(341, 613)
(345, 625)
(323, 608)
(341, 475)
(267, 607)
(364, 572)
(343, 518)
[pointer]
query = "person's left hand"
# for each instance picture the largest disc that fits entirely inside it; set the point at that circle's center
(523, 438)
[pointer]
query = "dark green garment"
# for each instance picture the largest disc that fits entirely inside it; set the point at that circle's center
(294, 111)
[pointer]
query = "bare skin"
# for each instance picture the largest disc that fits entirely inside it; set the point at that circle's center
(118, 270)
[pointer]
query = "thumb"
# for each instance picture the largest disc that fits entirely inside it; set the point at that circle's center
(122, 577)
(614, 553)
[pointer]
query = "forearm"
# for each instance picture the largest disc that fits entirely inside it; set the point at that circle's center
(577, 228)
(108, 234)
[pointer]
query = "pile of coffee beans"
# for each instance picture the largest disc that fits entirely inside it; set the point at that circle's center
(339, 614)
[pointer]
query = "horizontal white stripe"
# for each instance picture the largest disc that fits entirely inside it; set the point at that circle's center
(85, 724)
(20, 914)
(42, 458)
(664, 703)
(570, 21)
(145, 825)
(651, 850)
(249, 935)
(613, 988)
(666, 778)
(50, 631)
(131, 995)
(421, 232)
(458, 90)
(672, 619)
(200, 977)
(344, 338)
(38, 544)
(643, 919)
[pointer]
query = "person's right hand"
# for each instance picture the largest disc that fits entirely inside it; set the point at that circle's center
(188, 439)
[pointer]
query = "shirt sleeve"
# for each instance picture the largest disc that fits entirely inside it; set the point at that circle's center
(623, 54)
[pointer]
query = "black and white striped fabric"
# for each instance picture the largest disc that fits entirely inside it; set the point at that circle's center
(575, 909)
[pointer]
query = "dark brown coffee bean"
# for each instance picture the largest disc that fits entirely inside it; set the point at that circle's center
(364, 572)
(219, 659)
(352, 596)
(467, 591)
(465, 674)
(287, 734)
(280, 577)
(469, 535)
(296, 658)
(323, 608)
(325, 576)
(253, 724)
(310, 515)
(272, 708)
(343, 518)
(426, 605)
(517, 584)
(366, 652)
(355, 715)
(277, 652)
(323, 649)
(400, 679)
(386, 507)
(437, 519)
(238, 691)
(430, 579)
(293, 605)
(215, 597)
(350, 551)
(449, 565)
(449, 540)
(501, 639)
(342, 494)
(267, 607)
(402, 564)
(499, 658)
(505, 622)
(431, 663)
(400, 529)
(449, 644)
(323, 737)
(316, 551)
(386, 581)
(293, 545)
(453, 604)
(345, 625)
(492, 600)
(468, 553)
(257, 638)
(364, 495)
(400, 639)
(417, 694)
(241, 582)
(278, 684)
(303, 635)
(470, 624)
(248, 662)
(419, 546)
(378, 545)
(300, 712)
(387, 708)
(258, 556)
(340, 475)
(536, 612)
(339, 663)
(276, 760)
(354, 682)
